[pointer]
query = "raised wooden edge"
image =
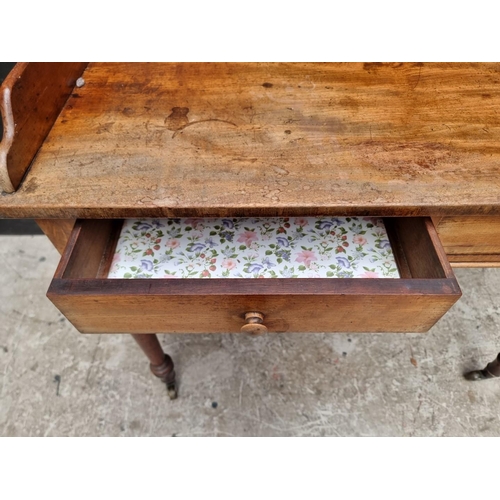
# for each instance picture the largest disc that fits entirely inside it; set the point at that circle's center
(474, 257)
(474, 260)
(48, 210)
(243, 286)
(9, 125)
(31, 98)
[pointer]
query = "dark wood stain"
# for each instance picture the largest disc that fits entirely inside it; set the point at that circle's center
(178, 119)
(372, 66)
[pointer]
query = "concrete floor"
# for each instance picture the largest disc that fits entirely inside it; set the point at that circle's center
(232, 385)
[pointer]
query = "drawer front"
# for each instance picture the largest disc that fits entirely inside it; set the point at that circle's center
(94, 304)
(470, 241)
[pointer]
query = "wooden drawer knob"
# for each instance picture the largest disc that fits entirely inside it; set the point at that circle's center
(254, 324)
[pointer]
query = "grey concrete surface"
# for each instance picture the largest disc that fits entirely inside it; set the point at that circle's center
(278, 385)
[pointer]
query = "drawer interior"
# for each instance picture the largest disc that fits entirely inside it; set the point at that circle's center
(425, 289)
(345, 247)
(254, 247)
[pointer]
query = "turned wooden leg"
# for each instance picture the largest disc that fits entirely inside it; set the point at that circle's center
(492, 370)
(161, 365)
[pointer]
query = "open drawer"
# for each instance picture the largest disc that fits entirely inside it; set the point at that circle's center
(94, 300)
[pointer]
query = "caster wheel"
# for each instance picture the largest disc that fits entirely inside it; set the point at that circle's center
(476, 375)
(172, 391)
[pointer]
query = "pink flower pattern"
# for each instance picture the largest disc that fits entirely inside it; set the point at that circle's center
(359, 240)
(301, 221)
(369, 274)
(228, 264)
(306, 256)
(172, 243)
(248, 237)
(275, 247)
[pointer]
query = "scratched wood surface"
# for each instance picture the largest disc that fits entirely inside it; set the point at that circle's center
(269, 139)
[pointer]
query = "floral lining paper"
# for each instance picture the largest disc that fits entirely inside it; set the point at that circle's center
(276, 247)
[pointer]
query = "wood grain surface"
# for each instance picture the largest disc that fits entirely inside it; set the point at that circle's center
(474, 236)
(31, 98)
(57, 230)
(475, 260)
(186, 139)
(470, 241)
(102, 306)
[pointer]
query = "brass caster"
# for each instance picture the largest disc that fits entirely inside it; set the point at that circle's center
(477, 375)
(172, 390)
